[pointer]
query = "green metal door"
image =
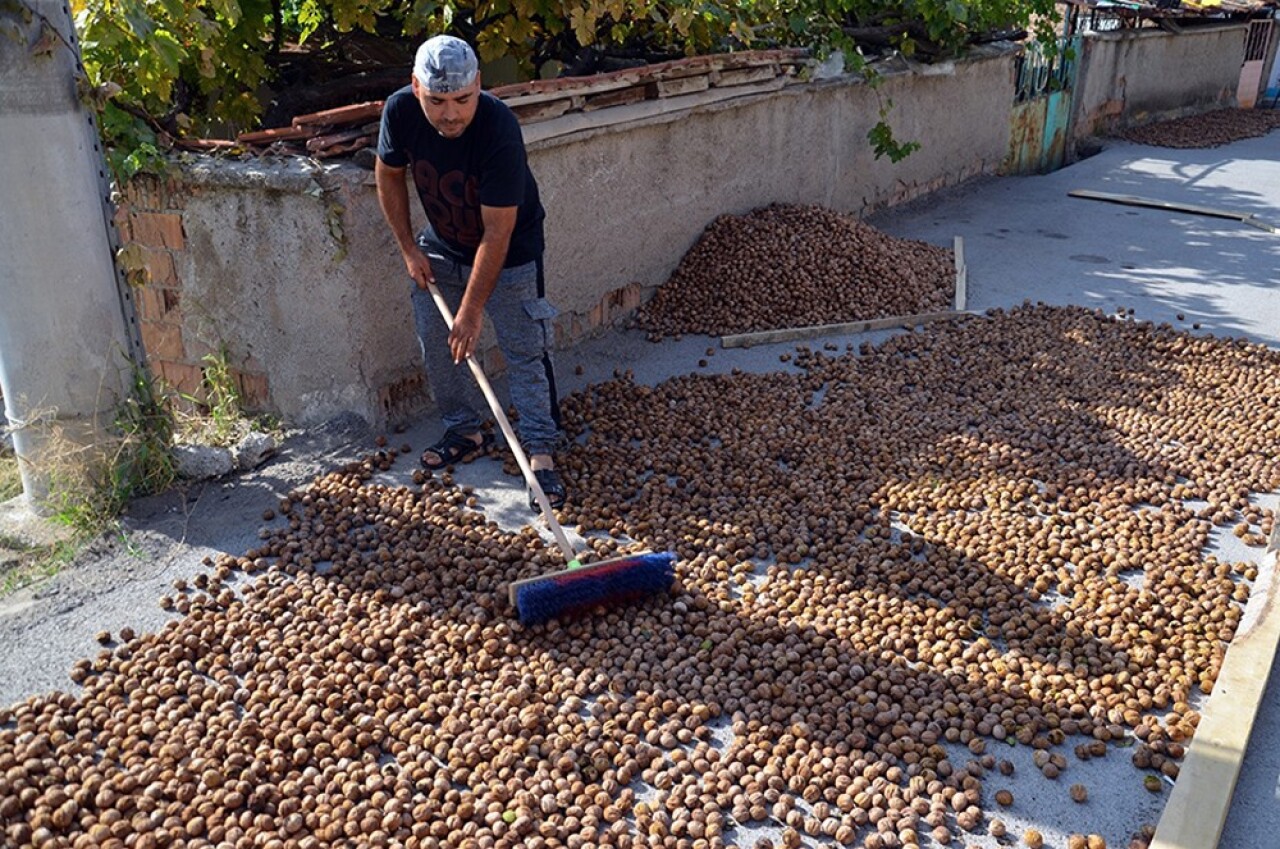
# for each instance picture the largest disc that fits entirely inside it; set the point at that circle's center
(1041, 114)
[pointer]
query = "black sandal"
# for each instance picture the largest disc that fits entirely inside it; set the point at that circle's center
(455, 447)
(552, 486)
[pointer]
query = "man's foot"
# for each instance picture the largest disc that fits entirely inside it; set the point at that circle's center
(552, 487)
(455, 447)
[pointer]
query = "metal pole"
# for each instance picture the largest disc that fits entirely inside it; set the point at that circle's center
(65, 321)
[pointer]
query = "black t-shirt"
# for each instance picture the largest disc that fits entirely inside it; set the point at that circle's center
(454, 177)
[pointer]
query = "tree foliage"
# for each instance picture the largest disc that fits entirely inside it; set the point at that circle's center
(182, 67)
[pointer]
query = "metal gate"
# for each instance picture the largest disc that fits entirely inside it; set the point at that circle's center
(1256, 44)
(1041, 112)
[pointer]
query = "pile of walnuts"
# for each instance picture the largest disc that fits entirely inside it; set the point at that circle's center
(786, 266)
(1208, 129)
(889, 558)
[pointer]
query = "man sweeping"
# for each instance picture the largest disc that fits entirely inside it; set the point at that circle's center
(482, 247)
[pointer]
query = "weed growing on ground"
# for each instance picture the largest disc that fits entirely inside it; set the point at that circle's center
(89, 486)
(216, 416)
(25, 565)
(10, 478)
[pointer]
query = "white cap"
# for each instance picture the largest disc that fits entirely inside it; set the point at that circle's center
(445, 64)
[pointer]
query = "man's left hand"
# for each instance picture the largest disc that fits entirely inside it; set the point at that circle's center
(465, 333)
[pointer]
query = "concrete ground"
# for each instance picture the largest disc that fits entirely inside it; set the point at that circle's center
(1024, 239)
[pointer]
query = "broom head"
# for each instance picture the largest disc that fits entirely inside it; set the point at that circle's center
(581, 588)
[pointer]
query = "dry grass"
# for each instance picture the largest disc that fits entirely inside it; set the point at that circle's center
(10, 480)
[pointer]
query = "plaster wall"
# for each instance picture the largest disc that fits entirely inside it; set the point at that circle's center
(1134, 77)
(288, 263)
(625, 203)
(286, 266)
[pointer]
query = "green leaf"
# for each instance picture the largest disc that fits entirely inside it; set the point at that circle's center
(228, 10)
(311, 17)
(168, 50)
(140, 23)
(582, 21)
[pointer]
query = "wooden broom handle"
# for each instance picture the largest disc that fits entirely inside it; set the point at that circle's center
(512, 442)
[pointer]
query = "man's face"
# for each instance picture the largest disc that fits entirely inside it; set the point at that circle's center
(452, 112)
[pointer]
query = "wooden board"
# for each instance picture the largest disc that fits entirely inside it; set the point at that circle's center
(1254, 221)
(788, 334)
(1133, 200)
(962, 276)
(1197, 808)
(661, 110)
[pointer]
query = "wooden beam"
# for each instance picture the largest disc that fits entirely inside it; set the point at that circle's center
(1254, 221)
(1133, 200)
(355, 113)
(662, 110)
(788, 334)
(962, 276)
(1197, 808)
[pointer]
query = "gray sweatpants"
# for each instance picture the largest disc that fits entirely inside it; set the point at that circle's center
(521, 317)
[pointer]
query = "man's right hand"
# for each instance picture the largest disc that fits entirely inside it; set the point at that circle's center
(419, 267)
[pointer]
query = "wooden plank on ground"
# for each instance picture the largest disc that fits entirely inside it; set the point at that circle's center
(962, 276)
(1254, 221)
(1197, 808)
(789, 334)
(1133, 200)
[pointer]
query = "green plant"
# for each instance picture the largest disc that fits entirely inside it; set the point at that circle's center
(30, 565)
(216, 415)
(883, 141)
(178, 66)
(222, 397)
(171, 68)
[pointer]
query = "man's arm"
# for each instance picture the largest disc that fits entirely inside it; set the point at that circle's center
(393, 197)
(499, 223)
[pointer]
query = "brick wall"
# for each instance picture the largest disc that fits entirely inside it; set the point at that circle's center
(150, 217)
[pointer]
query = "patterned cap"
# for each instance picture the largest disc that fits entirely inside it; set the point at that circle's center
(445, 64)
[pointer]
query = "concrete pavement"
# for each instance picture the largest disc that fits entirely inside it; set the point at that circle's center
(1026, 239)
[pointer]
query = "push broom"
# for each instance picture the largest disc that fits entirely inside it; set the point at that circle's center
(577, 588)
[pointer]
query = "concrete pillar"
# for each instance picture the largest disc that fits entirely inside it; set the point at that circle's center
(64, 341)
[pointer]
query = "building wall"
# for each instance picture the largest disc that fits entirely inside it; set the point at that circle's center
(1134, 77)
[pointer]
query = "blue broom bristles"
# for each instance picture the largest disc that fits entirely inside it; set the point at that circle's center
(579, 590)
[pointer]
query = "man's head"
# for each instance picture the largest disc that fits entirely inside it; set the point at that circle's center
(446, 81)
